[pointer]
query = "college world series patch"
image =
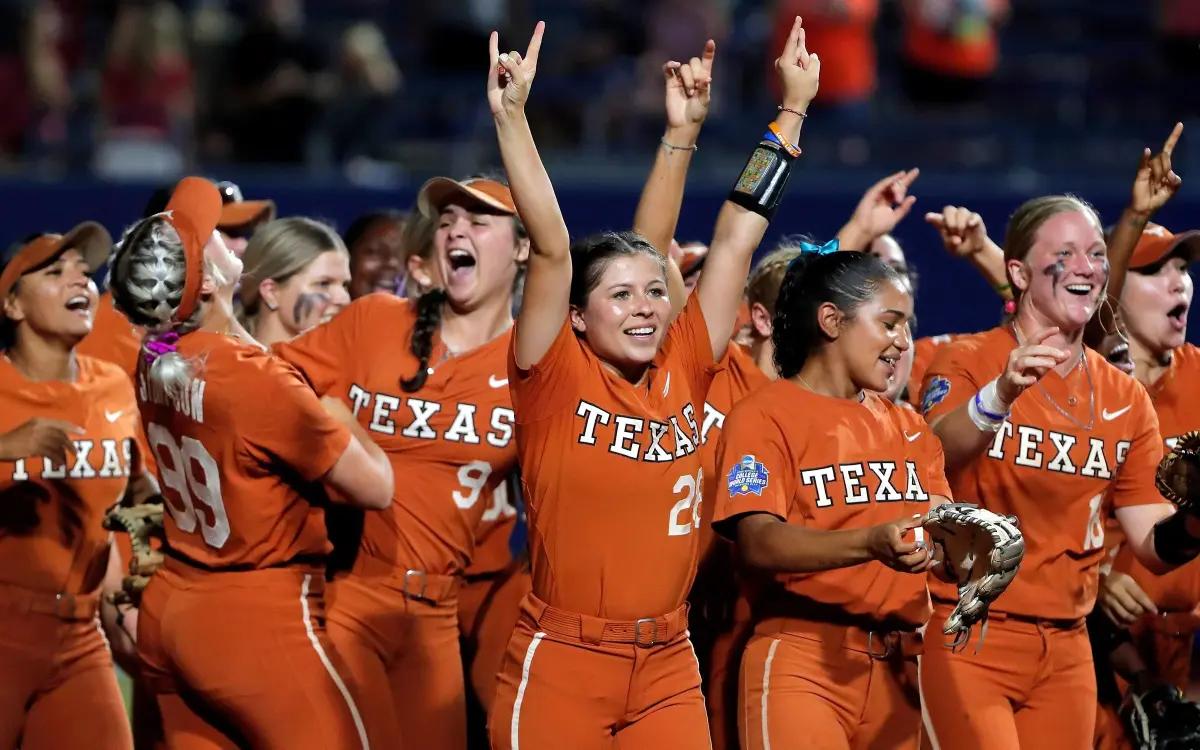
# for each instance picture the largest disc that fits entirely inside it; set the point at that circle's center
(939, 388)
(747, 477)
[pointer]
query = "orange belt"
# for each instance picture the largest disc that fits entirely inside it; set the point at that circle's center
(644, 632)
(413, 584)
(1056, 623)
(63, 605)
(876, 643)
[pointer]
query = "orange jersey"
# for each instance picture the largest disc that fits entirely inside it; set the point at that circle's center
(1174, 394)
(737, 376)
(832, 464)
(923, 351)
(51, 533)
(1058, 478)
(237, 456)
(450, 443)
(1174, 397)
(611, 472)
(493, 552)
(113, 338)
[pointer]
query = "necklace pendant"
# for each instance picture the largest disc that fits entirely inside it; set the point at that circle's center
(1072, 401)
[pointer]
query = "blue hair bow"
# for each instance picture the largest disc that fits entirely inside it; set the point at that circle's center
(811, 248)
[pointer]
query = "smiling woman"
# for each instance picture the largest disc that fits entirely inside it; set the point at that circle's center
(67, 429)
(1040, 427)
(427, 378)
(840, 545)
(297, 275)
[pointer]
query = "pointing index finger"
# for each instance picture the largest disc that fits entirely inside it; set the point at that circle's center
(1173, 138)
(789, 48)
(706, 58)
(494, 48)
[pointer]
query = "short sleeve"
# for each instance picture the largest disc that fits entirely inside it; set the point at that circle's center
(933, 465)
(296, 430)
(688, 340)
(949, 381)
(321, 354)
(553, 382)
(1134, 482)
(754, 466)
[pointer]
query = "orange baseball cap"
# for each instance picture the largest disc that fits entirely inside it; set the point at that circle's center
(89, 238)
(194, 211)
(1157, 243)
(440, 192)
(694, 254)
(237, 212)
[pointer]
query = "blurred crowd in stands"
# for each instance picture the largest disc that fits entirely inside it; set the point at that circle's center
(148, 88)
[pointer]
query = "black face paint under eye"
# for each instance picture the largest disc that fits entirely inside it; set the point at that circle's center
(1056, 271)
(308, 302)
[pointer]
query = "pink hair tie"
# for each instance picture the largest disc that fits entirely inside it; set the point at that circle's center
(156, 346)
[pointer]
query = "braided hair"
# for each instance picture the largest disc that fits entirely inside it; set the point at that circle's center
(147, 278)
(845, 279)
(429, 317)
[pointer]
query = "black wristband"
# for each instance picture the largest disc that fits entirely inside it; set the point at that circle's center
(1172, 542)
(764, 178)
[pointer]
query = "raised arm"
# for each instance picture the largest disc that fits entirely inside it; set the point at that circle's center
(546, 300)
(1154, 184)
(688, 96)
(964, 234)
(744, 217)
(881, 208)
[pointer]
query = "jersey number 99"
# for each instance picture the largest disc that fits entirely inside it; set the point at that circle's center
(189, 470)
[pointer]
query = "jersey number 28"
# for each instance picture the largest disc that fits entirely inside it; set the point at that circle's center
(685, 514)
(194, 477)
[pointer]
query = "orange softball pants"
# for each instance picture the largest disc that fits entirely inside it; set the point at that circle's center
(58, 688)
(399, 637)
(570, 680)
(1030, 685)
(488, 608)
(824, 686)
(246, 654)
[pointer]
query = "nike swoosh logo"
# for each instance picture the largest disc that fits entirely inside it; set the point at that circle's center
(112, 416)
(912, 437)
(1111, 415)
(496, 382)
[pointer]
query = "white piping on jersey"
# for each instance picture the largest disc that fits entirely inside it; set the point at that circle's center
(337, 679)
(515, 739)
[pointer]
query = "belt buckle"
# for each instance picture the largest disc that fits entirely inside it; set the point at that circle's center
(64, 605)
(420, 576)
(637, 632)
(888, 645)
